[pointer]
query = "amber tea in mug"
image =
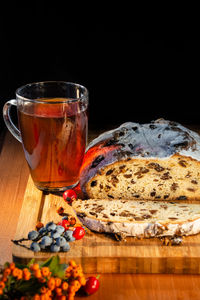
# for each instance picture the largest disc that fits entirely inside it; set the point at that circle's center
(54, 140)
(53, 131)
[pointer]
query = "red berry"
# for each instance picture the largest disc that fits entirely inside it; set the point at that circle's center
(69, 196)
(92, 285)
(78, 233)
(65, 224)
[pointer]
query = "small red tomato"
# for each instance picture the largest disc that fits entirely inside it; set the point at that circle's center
(78, 233)
(69, 196)
(92, 285)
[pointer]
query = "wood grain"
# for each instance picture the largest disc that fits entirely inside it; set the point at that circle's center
(100, 253)
(146, 286)
(13, 180)
(112, 286)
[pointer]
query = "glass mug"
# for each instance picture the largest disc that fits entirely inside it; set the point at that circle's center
(53, 124)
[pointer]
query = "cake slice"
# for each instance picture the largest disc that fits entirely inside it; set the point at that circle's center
(155, 161)
(139, 218)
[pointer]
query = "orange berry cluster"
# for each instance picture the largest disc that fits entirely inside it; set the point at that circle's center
(50, 287)
(76, 278)
(17, 273)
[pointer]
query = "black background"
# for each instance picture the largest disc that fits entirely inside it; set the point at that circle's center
(134, 70)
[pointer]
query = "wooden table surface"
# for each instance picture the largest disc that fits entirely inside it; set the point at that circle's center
(13, 180)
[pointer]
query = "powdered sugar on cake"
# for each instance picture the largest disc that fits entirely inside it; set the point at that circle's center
(158, 139)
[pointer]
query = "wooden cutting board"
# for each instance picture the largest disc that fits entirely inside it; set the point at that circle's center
(99, 253)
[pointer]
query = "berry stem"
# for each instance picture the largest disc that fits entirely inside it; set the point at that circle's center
(19, 241)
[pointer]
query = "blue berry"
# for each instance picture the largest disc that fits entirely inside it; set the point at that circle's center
(50, 226)
(42, 246)
(46, 240)
(35, 247)
(65, 218)
(69, 236)
(55, 234)
(55, 248)
(42, 230)
(61, 241)
(66, 247)
(60, 229)
(33, 235)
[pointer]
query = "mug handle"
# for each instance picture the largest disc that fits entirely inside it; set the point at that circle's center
(7, 119)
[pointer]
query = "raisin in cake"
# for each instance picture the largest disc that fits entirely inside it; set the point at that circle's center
(155, 161)
(139, 218)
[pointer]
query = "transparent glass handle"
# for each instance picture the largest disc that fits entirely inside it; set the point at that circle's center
(7, 119)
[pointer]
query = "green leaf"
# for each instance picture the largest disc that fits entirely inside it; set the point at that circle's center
(55, 267)
(6, 265)
(52, 262)
(31, 286)
(20, 266)
(9, 281)
(31, 262)
(59, 271)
